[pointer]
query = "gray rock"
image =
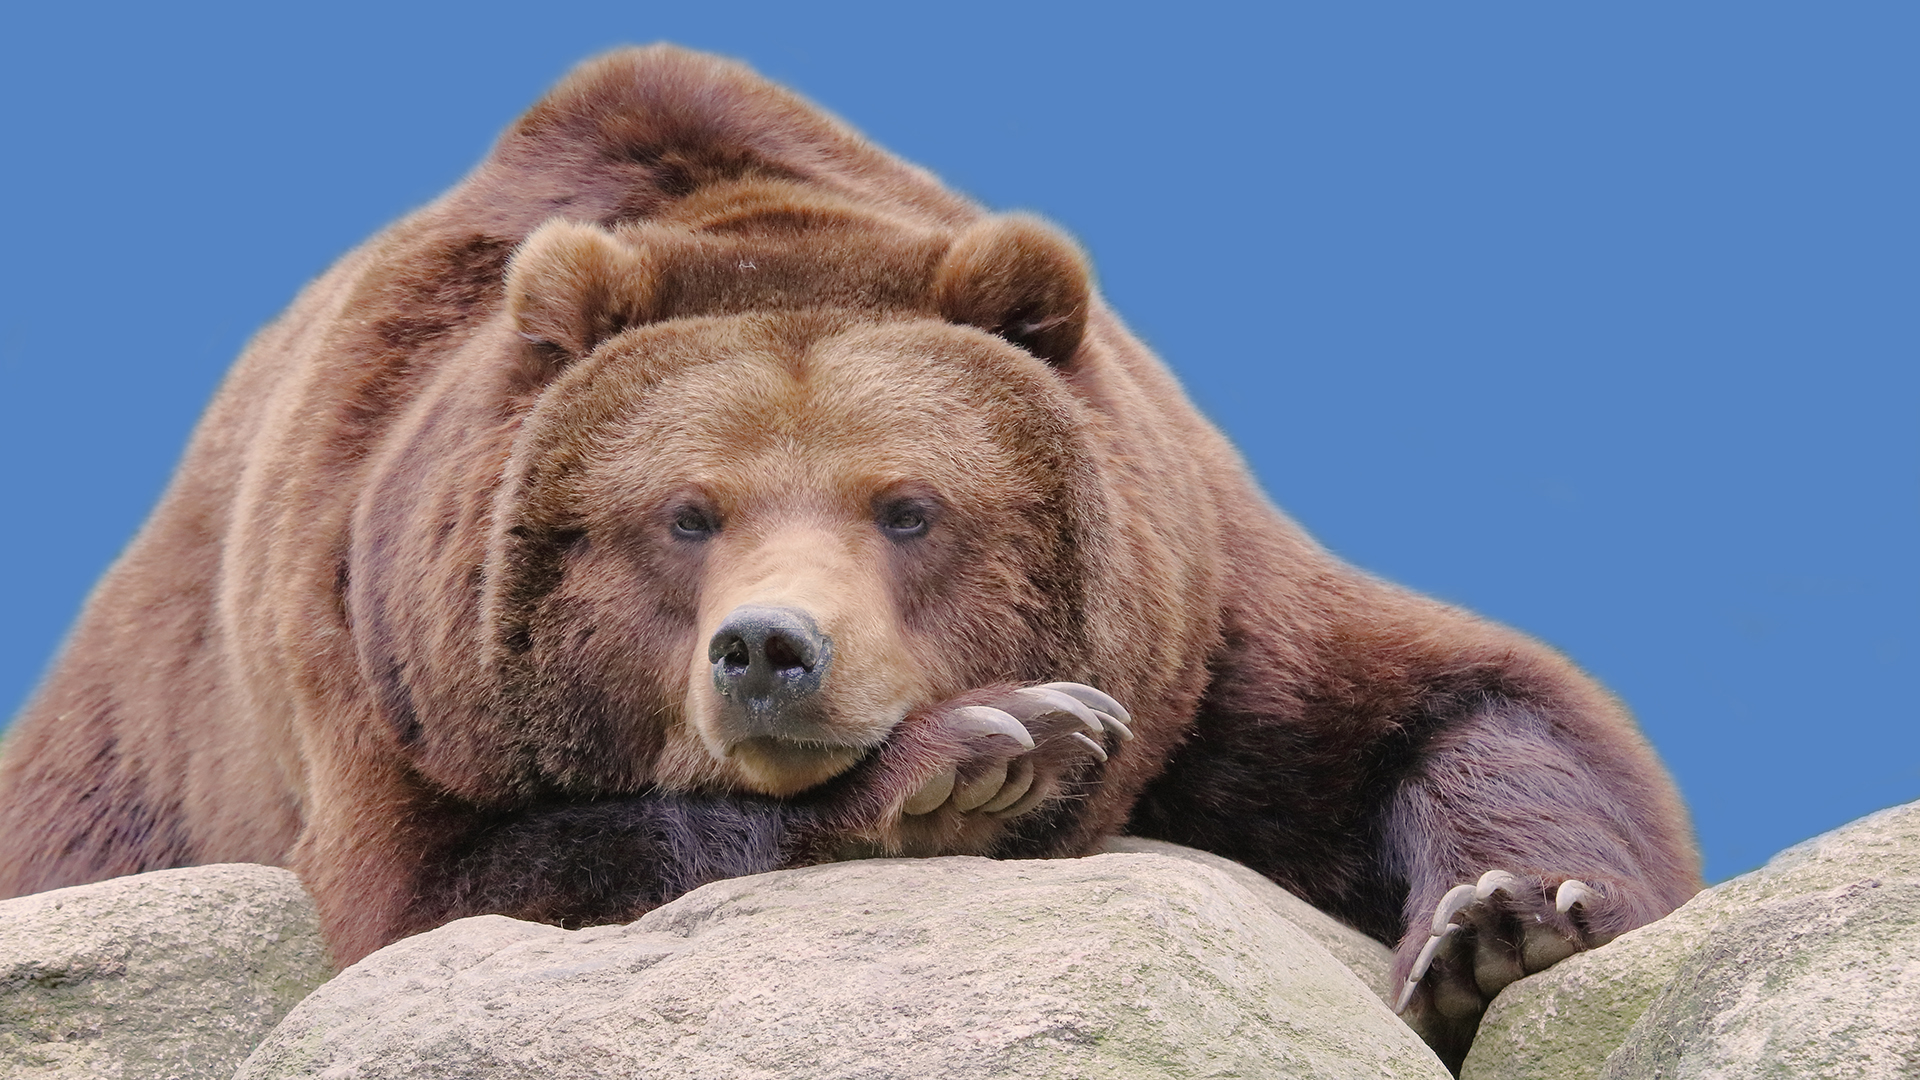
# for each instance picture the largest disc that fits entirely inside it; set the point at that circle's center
(1118, 965)
(1825, 985)
(1809, 966)
(1368, 958)
(171, 974)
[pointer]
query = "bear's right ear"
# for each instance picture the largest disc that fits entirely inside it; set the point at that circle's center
(572, 286)
(1020, 278)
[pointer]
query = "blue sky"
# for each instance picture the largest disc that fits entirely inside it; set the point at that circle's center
(1603, 323)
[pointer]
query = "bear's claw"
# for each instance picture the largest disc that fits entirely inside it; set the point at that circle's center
(1099, 752)
(1033, 702)
(1493, 932)
(931, 795)
(982, 789)
(1572, 893)
(1008, 785)
(987, 720)
(1019, 781)
(1113, 716)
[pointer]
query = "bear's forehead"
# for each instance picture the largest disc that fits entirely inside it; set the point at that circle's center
(827, 399)
(830, 376)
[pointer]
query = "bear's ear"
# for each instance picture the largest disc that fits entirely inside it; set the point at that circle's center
(1020, 278)
(572, 286)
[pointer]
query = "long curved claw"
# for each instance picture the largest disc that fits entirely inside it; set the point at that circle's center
(1573, 892)
(1423, 962)
(1093, 699)
(1054, 701)
(1406, 995)
(1019, 780)
(1494, 881)
(1114, 724)
(930, 795)
(978, 791)
(1036, 793)
(1458, 899)
(1099, 752)
(987, 720)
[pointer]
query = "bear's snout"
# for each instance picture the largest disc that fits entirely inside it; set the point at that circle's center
(769, 665)
(803, 670)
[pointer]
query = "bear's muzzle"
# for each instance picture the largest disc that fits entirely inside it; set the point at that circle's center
(769, 667)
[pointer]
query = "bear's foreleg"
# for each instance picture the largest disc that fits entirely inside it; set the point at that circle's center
(587, 864)
(1376, 763)
(1523, 836)
(984, 760)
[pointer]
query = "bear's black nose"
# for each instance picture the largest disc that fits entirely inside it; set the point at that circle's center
(768, 665)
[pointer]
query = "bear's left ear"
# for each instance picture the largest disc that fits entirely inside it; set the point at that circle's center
(1020, 278)
(572, 286)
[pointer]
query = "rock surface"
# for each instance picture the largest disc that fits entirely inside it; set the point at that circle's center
(177, 973)
(1118, 965)
(1807, 967)
(1367, 958)
(1152, 960)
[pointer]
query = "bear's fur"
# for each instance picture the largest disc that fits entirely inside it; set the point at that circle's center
(434, 609)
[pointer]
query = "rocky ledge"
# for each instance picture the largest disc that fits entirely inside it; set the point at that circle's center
(1807, 967)
(1147, 961)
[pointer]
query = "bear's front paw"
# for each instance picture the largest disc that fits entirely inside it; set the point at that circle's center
(952, 775)
(1485, 935)
(1007, 749)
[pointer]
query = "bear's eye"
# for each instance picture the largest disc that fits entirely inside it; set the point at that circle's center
(692, 523)
(905, 519)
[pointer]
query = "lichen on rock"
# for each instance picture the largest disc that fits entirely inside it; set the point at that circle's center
(1809, 966)
(172, 974)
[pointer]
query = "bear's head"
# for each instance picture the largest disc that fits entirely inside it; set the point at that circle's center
(786, 471)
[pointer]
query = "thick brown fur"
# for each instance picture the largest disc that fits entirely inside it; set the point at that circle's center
(413, 618)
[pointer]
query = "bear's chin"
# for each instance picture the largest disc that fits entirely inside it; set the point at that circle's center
(781, 767)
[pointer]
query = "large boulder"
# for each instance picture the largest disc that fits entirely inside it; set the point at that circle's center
(1365, 956)
(1118, 965)
(1807, 967)
(173, 974)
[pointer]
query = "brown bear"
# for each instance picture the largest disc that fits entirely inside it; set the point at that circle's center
(696, 490)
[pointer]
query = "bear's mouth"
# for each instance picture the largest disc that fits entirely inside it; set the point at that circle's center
(782, 767)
